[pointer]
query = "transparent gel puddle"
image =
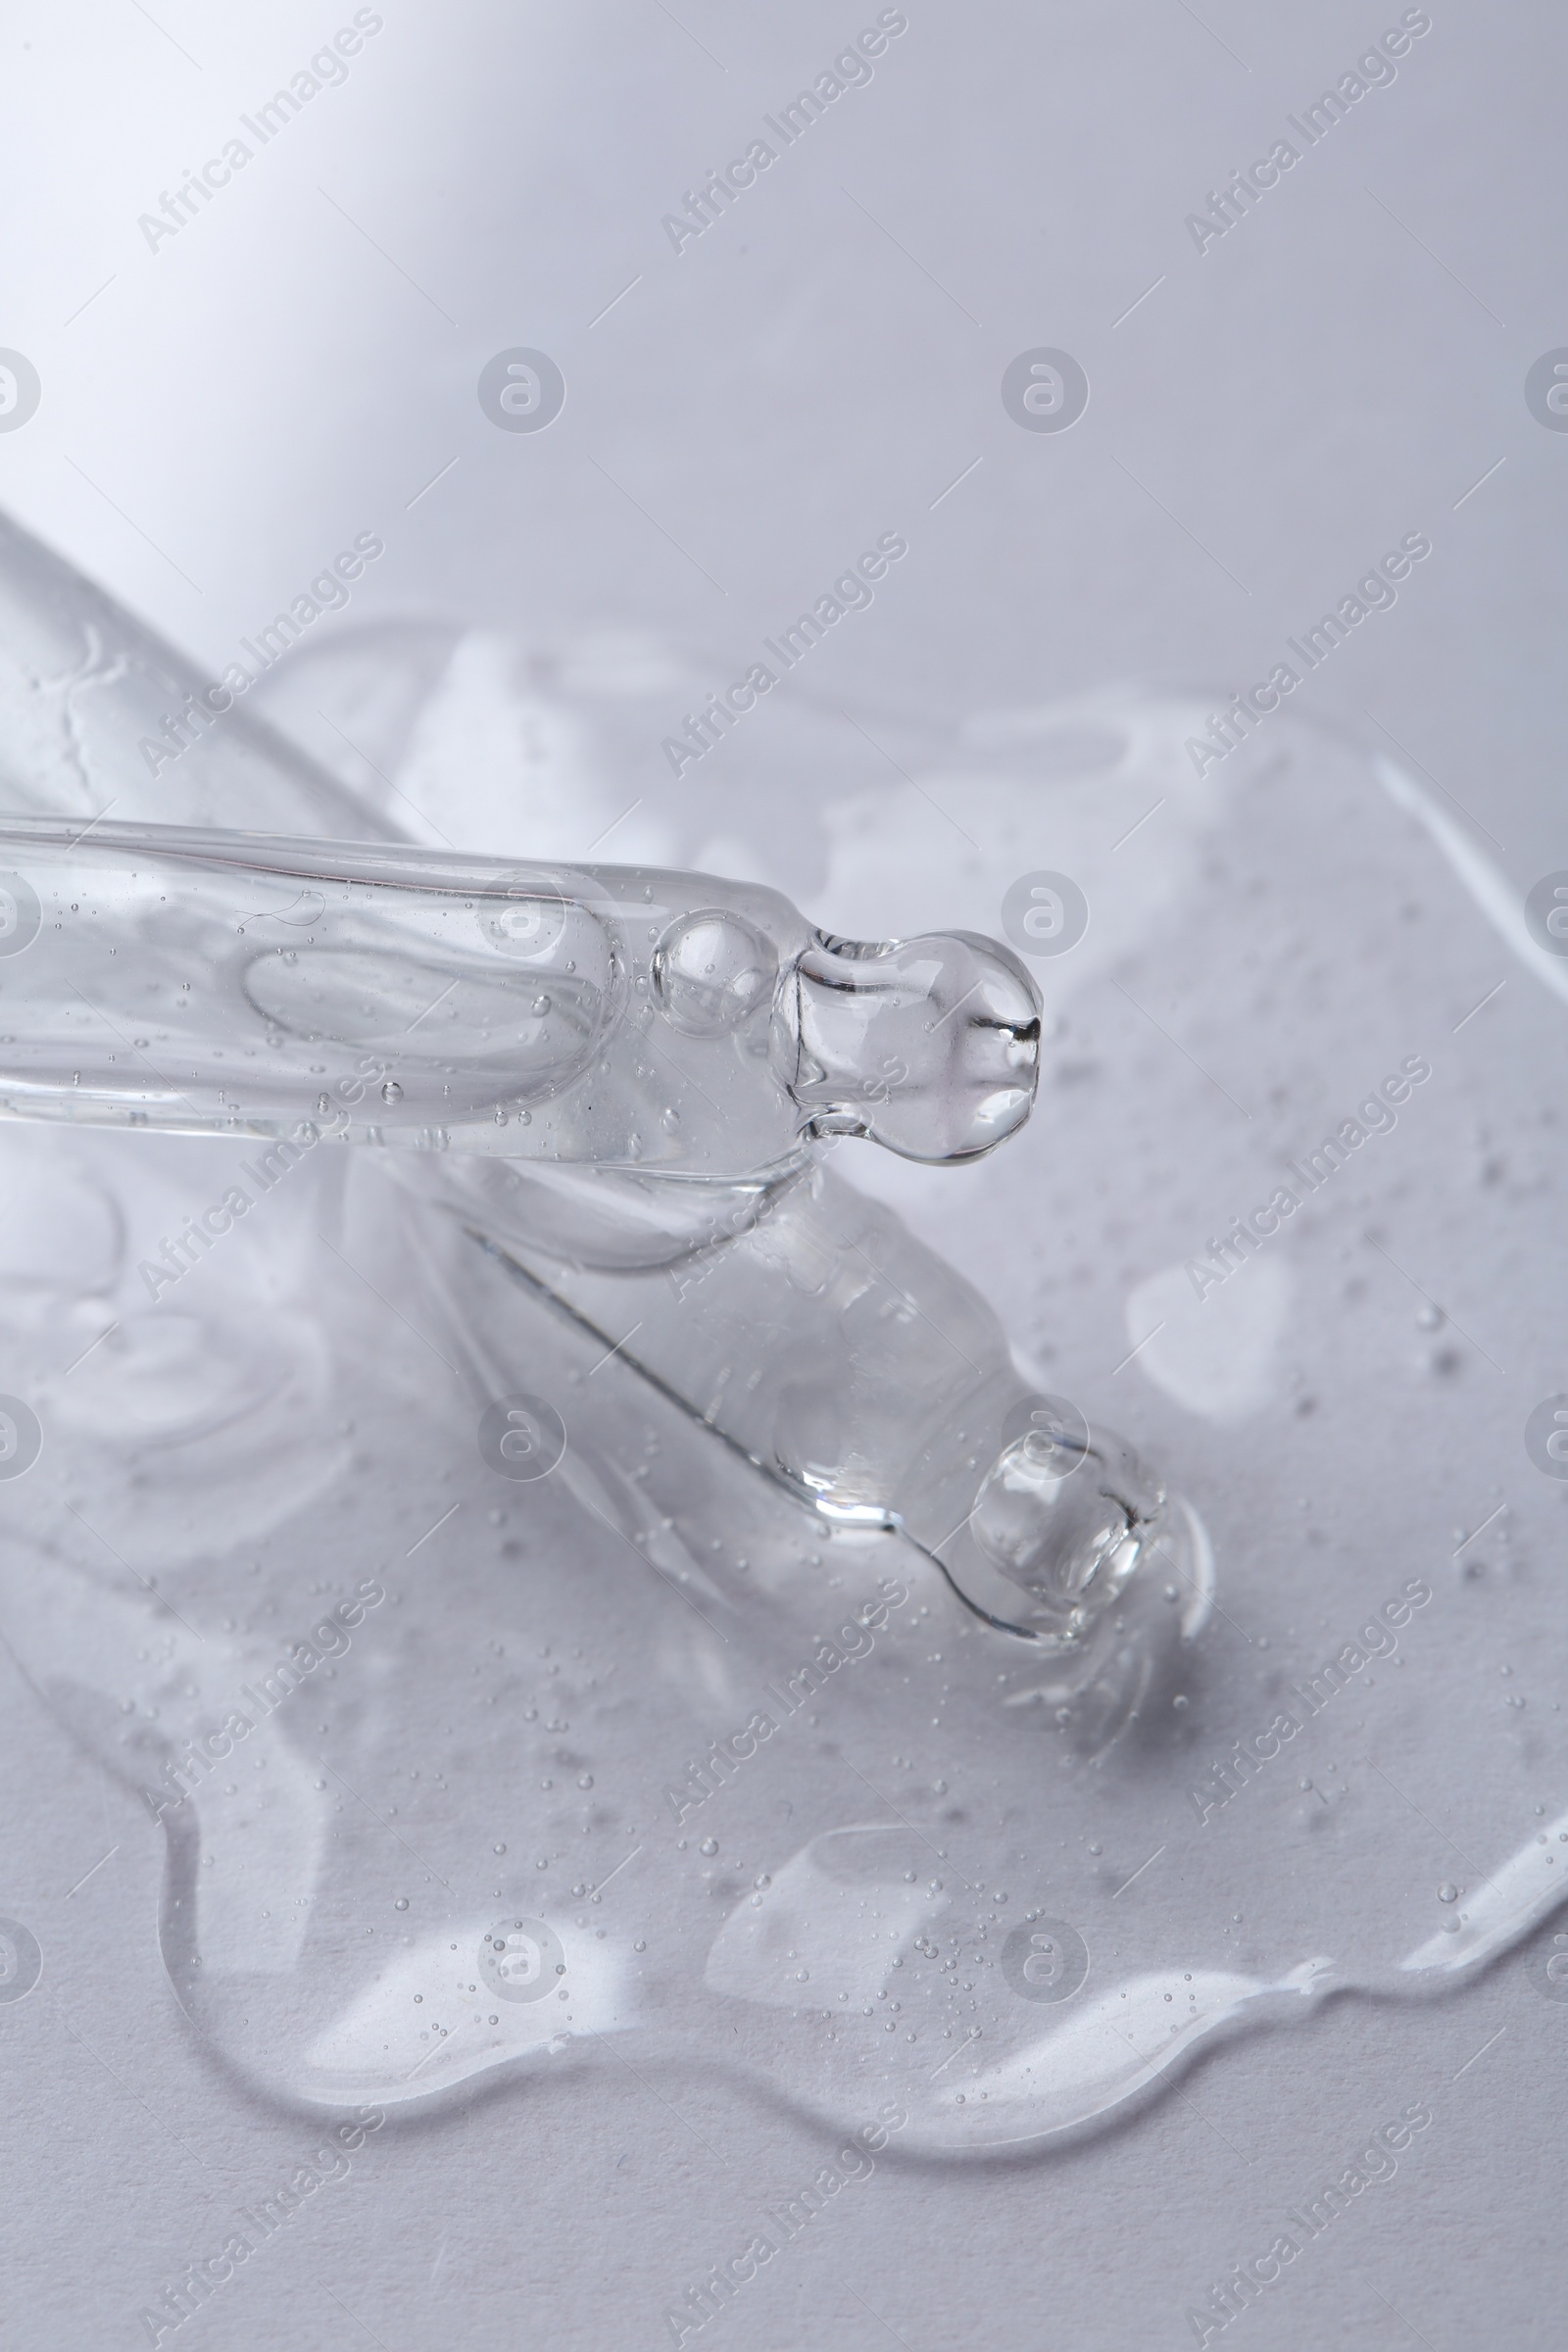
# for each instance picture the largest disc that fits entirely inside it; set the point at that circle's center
(449, 1855)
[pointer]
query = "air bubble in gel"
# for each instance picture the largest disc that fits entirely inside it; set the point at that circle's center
(712, 970)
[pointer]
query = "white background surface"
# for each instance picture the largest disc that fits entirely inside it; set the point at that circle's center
(229, 411)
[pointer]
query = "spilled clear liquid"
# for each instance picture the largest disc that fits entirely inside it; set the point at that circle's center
(650, 1747)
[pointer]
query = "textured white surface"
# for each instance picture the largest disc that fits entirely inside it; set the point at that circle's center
(1311, 388)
